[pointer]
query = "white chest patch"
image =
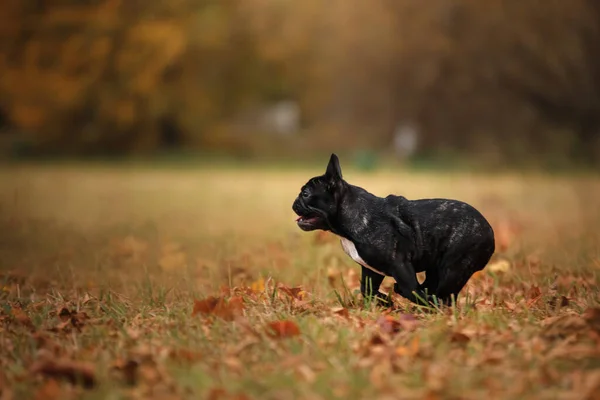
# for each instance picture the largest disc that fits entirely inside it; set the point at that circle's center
(350, 249)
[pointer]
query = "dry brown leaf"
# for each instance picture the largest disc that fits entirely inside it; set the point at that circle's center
(22, 318)
(534, 292)
(70, 370)
(205, 306)
(296, 292)
(341, 311)
(283, 329)
(459, 338)
(229, 310)
(219, 307)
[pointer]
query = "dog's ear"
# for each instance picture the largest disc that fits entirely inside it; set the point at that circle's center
(334, 172)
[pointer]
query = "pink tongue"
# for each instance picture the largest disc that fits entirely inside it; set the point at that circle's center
(298, 219)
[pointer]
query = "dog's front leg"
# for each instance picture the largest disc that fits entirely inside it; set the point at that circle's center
(369, 286)
(407, 284)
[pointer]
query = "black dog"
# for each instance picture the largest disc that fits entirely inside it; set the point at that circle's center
(396, 237)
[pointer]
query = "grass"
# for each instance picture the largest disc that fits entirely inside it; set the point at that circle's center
(102, 268)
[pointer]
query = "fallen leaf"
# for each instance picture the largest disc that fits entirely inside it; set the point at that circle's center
(219, 307)
(341, 311)
(205, 306)
(389, 324)
(296, 292)
(459, 338)
(72, 371)
(229, 310)
(534, 292)
(283, 329)
(22, 318)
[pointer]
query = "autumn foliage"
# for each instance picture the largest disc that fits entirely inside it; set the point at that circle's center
(497, 80)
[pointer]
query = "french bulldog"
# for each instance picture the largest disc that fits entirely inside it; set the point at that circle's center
(392, 236)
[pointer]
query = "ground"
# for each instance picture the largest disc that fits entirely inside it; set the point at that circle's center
(138, 282)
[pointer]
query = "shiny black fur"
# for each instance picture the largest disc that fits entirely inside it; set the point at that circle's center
(448, 239)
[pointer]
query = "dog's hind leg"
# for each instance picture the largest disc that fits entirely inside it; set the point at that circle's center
(454, 277)
(407, 284)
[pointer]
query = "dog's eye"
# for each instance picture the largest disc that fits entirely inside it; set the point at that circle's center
(304, 193)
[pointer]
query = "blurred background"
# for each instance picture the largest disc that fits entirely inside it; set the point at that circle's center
(495, 83)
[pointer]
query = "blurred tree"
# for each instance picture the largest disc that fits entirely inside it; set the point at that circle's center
(498, 80)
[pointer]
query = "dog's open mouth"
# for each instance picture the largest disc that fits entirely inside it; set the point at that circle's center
(308, 221)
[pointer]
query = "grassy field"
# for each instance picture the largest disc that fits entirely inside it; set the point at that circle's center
(196, 283)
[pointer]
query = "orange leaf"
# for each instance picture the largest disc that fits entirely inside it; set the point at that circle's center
(229, 310)
(205, 306)
(341, 311)
(283, 329)
(219, 307)
(258, 286)
(296, 292)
